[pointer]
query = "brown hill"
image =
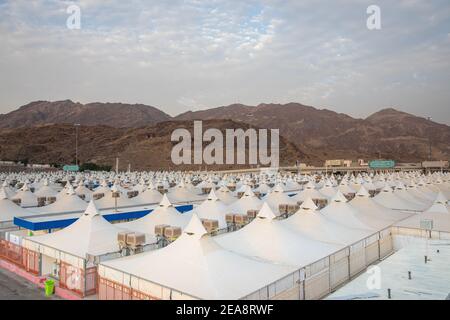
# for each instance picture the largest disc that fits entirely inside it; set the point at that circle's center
(67, 111)
(329, 135)
(145, 148)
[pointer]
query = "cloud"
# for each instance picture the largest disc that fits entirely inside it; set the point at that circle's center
(181, 55)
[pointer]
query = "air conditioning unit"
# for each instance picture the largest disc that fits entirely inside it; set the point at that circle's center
(135, 239)
(171, 233)
(229, 218)
(122, 239)
(51, 200)
(240, 219)
(210, 225)
(232, 188)
(321, 203)
(292, 208)
(159, 229)
(115, 194)
(82, 196)
(257, 193)
(206, 190)
(240, 194)
(349, 196)
(252, 214)
(283, 208)
(17, 201)
(97, 196)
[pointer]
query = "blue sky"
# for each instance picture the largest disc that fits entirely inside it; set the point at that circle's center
(184, 55)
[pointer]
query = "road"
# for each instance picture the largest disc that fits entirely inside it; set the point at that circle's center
(13, 287)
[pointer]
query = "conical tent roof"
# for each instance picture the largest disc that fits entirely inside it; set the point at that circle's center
(373, 214)
(149, 196)
(196, 265)
(225, 195)
(268, 239)
(28, 198)
(339, 211)
(90, 234)
(9, 210)
(277, 197)
(389, 199)
(312, 224)
(247, 202)
(164, 213)
(212, 208)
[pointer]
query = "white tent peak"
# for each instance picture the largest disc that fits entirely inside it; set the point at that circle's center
(165, 202)
(266, 212)
(70, 190)
(441, 198)
(212, 195)
(308, 204)
(339, 197)
(25, 187)
(5, 184)
(363, 192)
(195, 227)
(91, 210)
(278, 188)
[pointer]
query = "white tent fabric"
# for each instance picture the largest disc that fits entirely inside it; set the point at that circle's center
(183, 194)
(389, 199)
(82, 190)
(9, 210)
(374, 214)
(70, 202)
(311, 223)
(268, 239)
(149, 196)
(341, 212)
(212, 208)
(309, 191)
(10, 192)
(165, 213)
(225, 195)
(248, 201)
(196, 265)
(439, 212)
(45, 191)
(90, 234)
(28, 198)
(109, 202)
(277, 197)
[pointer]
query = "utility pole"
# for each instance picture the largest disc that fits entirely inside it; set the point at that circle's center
(429, 141)
(76, 143)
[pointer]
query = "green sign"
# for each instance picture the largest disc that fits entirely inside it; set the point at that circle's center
(71, 168)
(382, 164)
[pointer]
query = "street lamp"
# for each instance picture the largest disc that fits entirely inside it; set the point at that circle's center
(429, 140)
(76, 143)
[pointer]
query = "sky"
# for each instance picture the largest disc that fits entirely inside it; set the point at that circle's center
(195, 54)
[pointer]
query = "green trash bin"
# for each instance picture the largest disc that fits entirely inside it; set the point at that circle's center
(49, 287)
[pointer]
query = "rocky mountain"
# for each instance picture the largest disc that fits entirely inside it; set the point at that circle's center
(318, 133)
(329, 135)
(67, 111)
(145, 148)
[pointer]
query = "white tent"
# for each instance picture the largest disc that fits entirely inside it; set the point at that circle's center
(69, 202)
(309, 191)
(439, 212)
(27, 198)
(372, 213)
(225, 195)
(82, 190)
(45, 190)
(165, 213)
(387, 198)
(109, 202)
(184, 194)
(90, 234)
(268, 239)
(212, 208)
(277, 197)
(149, 196)
(312, 224)
(402, 192)
(248, 201)
(197, 267)
(10, 192)
(9, 210)
(341, 212)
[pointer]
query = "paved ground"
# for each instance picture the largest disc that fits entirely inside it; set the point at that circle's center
(13, 287)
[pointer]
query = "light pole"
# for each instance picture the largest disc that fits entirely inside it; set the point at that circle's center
(76, 143)
(429, 140)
